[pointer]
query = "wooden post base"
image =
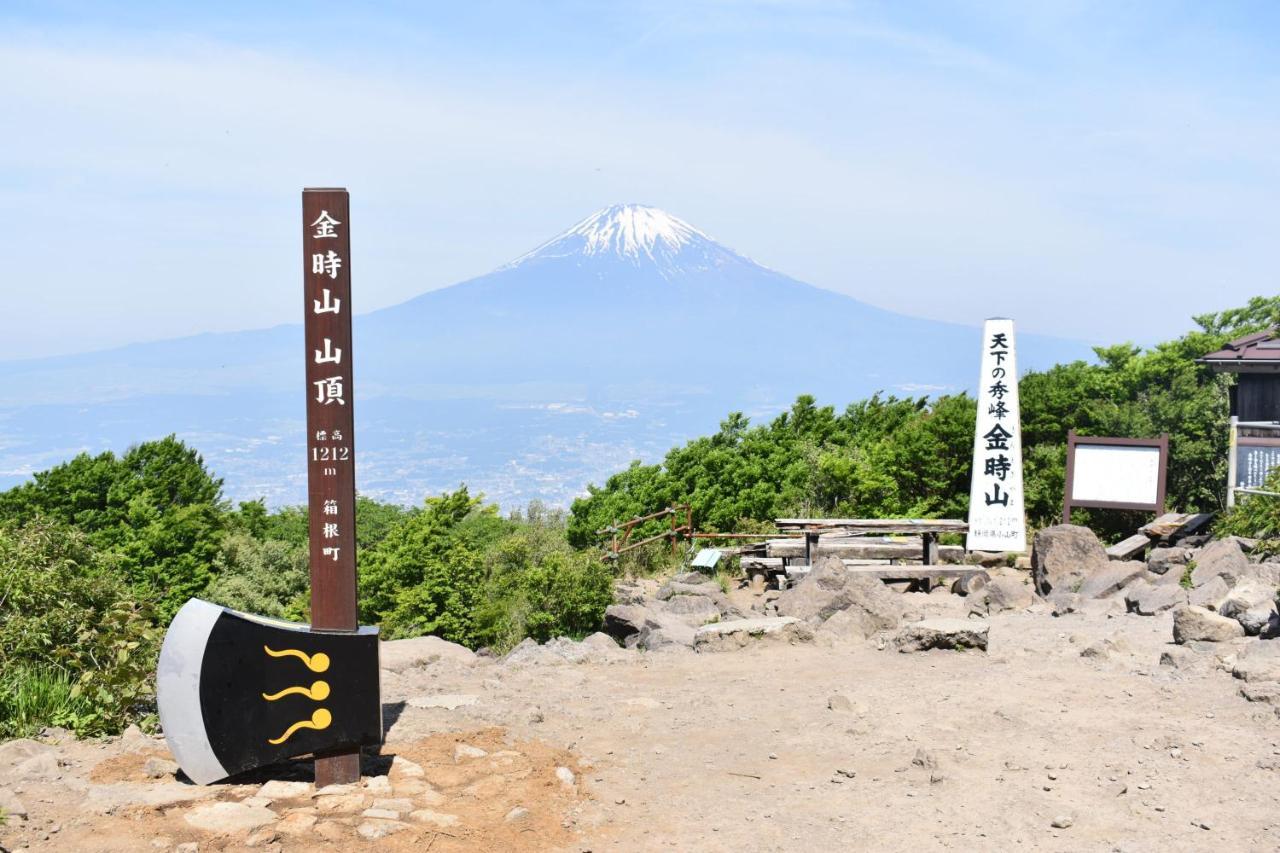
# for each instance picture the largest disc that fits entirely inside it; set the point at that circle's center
(340, 769)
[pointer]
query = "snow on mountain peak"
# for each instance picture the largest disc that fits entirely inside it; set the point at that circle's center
(632, 230)
(636, 233)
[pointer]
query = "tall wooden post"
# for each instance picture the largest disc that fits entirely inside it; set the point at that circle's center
(331, 482)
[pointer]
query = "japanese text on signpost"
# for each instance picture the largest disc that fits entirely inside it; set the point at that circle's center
(996, 521)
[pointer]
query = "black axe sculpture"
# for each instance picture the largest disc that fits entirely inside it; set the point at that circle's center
(237, 692)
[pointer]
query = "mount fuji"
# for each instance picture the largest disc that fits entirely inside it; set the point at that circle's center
(627, 333)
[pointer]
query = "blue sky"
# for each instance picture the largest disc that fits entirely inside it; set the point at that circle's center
(1094, 170)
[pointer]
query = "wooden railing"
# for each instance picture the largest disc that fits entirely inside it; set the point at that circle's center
(619, 546)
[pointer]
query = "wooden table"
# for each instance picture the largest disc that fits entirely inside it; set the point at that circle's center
(926, 528)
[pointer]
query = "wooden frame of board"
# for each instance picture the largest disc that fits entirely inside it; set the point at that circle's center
(1074, 441)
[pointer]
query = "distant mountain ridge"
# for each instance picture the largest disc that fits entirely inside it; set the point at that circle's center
(628, 332)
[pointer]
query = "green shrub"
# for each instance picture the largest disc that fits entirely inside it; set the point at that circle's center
(269, 578)
(1256, 517)
(63, 609)
(538, 587)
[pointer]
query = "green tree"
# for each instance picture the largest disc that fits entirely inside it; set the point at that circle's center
(156, 508)
(424, 577)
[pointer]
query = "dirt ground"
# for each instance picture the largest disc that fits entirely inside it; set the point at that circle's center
(782, 747)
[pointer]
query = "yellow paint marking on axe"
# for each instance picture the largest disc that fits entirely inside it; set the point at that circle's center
(319, 662)
(319, 720)
(319, 691)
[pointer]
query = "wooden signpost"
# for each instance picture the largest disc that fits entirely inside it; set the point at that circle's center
(331, 483)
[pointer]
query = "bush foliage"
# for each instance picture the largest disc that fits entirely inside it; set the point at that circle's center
(67, 619)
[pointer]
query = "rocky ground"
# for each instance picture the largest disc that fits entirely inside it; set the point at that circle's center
(836, 715)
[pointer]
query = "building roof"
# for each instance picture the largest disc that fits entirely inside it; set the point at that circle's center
(1257, 352)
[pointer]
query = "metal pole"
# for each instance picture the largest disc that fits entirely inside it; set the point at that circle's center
(1231, 461)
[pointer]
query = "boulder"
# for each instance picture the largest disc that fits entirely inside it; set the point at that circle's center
(691, 578)
(601, 641)
(1258, 661)
(1162, 560)
(831, 587)
(1148, 599)
(1007, 594)
(1223, 559)
(661, 631)
(1252, 604)
(1111, 579)
(841, 626)
(1197, 623)
(1064, 555)
(399, 655)
(737, 633)
(943, 634)
(628, 592)
(1211, 594)
(693, 610)
(624, 620)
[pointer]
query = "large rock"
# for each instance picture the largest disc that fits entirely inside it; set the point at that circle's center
(399, 655)
(1111, 579)
(1008, 594)
(693, 610)
(831, 587)
(1258, 661)
(625, 620)
(674, 587)
(1223, 559)
(1148, 599)
(943, 634)
(1211, 594)
(1163, 560)
(663, 631)
(1197, 623)
(1252, 604)
(1064, 555)
(841, 626)
(737, 633)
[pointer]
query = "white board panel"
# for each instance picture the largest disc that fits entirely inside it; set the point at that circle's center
(1116, 474)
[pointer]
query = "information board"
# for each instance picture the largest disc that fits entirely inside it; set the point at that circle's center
(1115, 473)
